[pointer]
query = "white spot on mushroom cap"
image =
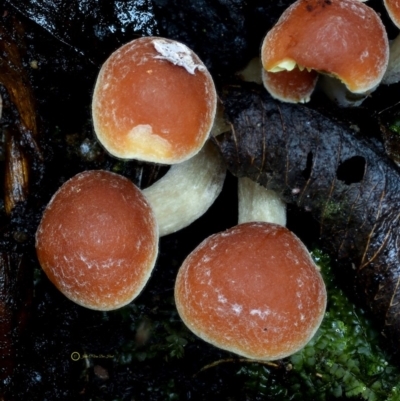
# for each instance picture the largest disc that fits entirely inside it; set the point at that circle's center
(222, 299)
(177, 54)
(237, 309)
(260, 313)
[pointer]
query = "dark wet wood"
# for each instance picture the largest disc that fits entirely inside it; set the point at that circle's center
(20, 133)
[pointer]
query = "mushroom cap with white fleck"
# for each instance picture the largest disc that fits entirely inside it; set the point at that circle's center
(253, 290)
(154, 100)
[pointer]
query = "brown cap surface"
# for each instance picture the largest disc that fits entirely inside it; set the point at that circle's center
(393, 9)
(290, 86)
(154, 100)
(98, 240)
(253, 290)
(342, 38)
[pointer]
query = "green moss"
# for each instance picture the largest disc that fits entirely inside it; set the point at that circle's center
(156, 335)
(394, 126)
(331, 210)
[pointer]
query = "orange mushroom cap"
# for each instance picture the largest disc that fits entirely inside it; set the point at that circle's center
(294, 86)
(154, 100)
(393, 10)
(98, 240)
(253, 290)
(342, 38)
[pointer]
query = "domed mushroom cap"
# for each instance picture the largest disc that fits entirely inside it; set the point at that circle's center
(393, 10)
(98, 240)
(253, 290)
(154, 100)
(343, 38)
(290, 86)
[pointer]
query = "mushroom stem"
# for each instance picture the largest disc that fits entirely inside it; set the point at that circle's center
(187, 190)
(338, 92)
(257, 203)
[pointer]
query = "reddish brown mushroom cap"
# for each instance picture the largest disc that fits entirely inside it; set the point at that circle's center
(290, 86)
(154, 100)
(342, 38)
(393, 10)
(253, 290)
(98, 240)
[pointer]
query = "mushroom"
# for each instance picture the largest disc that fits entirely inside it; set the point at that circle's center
(393, 10)
(97, 241)
(288, 86)
(155, 101)
(253, 290)
(392, 74)
(294, 86)
(343, 39)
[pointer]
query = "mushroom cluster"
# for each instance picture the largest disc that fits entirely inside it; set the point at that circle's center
(154, 100)
(253, 289)
(344, 42)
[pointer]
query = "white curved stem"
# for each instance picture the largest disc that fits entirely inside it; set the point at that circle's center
(187, 190)
(257, 203)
